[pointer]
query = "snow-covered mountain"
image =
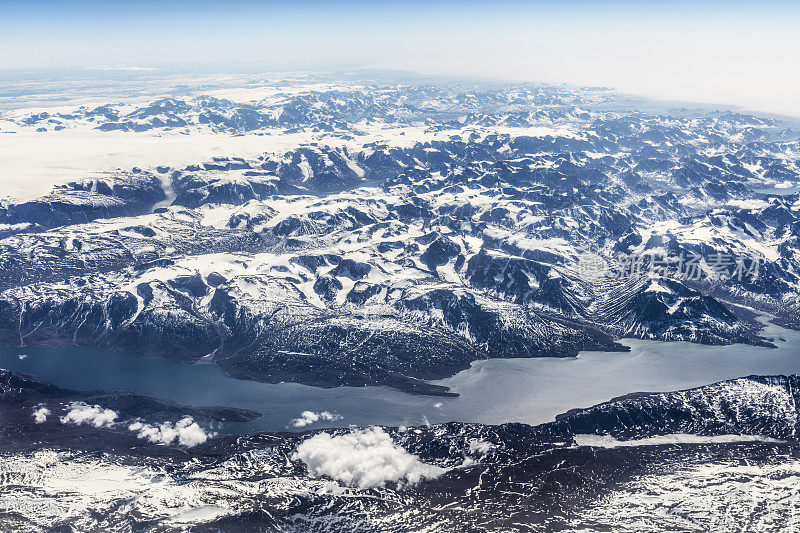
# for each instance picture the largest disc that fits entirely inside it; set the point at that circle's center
(361, 261)
(335, 108)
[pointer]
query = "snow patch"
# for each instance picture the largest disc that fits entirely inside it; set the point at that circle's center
(655, 286)
(607, 441)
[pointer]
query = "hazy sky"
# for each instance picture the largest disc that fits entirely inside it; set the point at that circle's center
(741, 53)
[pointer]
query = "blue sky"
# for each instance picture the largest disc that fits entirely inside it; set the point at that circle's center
(728, 52)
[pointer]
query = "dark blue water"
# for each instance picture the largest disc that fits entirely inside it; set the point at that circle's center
(536, 390)
(495, 391)
(205, 384)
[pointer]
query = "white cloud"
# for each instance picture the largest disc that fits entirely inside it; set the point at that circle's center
(81, 413)
(480, 447)
(40, 414)
(309, 417)
(607, 441)
(362, 458)
(185, 431)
